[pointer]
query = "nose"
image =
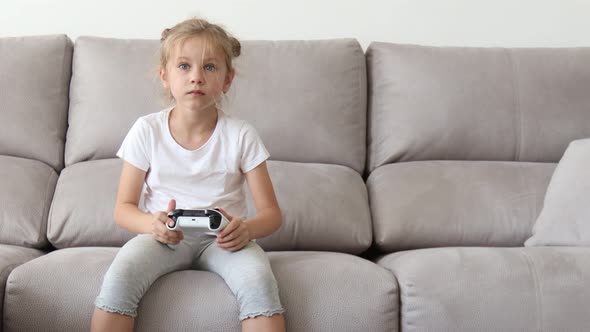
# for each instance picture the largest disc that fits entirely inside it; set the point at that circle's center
(197, 76)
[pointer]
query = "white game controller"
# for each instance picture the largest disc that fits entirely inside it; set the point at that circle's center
(206, 221)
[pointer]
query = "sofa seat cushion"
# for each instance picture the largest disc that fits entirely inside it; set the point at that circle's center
(320, 292)
(492, 289)
(11, 257)
(300, 114)
(426, 204)
(325, 207)
(35, 74)
(26, 190)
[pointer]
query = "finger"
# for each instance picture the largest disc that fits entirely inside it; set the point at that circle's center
(161, 239)
(226, 246)
(162, 217)
(237, 247)
(237, 243)
(161, 224)
(231, 236)
(158, 227)
(173, 235)
(229, 228)
(170, 239)
(171, 205)
(238, 232)
(174, 241)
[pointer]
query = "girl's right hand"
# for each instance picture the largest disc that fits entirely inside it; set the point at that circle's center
(161, 233)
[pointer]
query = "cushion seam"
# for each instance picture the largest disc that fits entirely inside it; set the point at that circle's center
(538, 295)
(516, 103)
(51, 209)
(45, 216)
(5, 272)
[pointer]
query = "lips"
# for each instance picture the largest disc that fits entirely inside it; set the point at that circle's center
(196, 92)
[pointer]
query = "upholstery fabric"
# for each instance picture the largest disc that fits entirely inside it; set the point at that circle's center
(320, 292)
(326, 208)
(300, 114)
(35, 76)
(11, 257)
(492, 289)
(472, 103)
(26, 191)
(425, 204)
(565, 218)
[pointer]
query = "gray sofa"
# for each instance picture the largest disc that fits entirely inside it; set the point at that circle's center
(409, 178)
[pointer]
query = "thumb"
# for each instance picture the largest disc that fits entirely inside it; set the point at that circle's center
(171, 205)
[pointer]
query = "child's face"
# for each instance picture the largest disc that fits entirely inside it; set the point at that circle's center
(196, 74)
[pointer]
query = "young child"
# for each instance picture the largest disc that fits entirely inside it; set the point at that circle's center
(193, 156)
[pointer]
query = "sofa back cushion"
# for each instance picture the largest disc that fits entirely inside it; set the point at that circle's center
(461, 141)
(34, 79)
(307, 99)
(430, 103)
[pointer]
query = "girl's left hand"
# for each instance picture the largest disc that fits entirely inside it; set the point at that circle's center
(235, 235)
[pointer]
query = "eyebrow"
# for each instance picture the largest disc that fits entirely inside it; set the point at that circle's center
(187, 59)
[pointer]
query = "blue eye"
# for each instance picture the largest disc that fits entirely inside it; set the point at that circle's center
(209, 67)
(183, 66)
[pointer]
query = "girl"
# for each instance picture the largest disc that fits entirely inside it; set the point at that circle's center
(193, 156)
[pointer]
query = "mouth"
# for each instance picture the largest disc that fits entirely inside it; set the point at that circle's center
(196, 93)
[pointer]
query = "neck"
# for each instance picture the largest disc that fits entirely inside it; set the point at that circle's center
(189, 123)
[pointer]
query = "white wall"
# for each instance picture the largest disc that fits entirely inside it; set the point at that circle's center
(508, 23)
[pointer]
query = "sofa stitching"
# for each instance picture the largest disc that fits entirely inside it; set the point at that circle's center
(399, 301)
(533, 271)
(5, 272)
(516, 103)
(401, 293)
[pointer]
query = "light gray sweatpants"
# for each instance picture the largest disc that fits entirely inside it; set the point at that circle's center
(142, 260)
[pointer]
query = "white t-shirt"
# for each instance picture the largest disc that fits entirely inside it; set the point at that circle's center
(212, 175)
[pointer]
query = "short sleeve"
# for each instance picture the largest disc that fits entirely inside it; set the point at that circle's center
(135, 147)
(253, 150)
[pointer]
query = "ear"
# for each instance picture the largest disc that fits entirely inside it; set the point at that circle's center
(164, 77)
(228, 80)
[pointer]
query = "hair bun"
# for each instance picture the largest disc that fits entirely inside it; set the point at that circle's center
(165, 34)
(236, 47)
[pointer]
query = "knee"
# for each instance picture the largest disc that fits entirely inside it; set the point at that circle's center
(259, 281)
(122, 289)
(124, 268)
(259, 295)
(127, 274)
(132, 260)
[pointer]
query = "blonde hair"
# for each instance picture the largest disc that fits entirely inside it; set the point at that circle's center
(196, 27)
